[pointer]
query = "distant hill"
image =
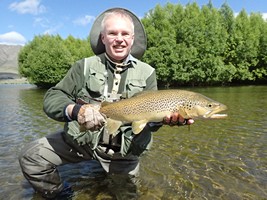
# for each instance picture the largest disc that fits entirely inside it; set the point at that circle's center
(9, 61)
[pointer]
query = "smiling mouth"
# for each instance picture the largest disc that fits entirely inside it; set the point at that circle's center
(118, 47)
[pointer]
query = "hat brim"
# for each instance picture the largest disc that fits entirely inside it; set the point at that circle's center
(140, 39)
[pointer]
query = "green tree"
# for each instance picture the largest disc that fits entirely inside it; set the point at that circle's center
(260, 70)
(78, 48)
(191, 37)
(45, 60)
(245, 45)
(186, 44)
(215, 46)
(161, 38)
(193, 45)
(228, 22)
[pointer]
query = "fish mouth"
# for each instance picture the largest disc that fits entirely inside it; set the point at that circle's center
(215, 114)
(218, 116)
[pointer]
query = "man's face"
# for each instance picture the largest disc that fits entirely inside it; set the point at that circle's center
(118, 37)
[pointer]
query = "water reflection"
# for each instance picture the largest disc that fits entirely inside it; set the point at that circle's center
(215, 159)
(31, 107)
(21, 121)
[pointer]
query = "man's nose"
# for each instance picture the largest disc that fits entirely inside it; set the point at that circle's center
(119, 37)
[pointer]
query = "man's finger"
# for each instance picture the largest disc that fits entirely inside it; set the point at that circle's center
(174, 118)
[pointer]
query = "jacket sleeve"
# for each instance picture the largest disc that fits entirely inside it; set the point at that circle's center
(151, 82)
(57, 98)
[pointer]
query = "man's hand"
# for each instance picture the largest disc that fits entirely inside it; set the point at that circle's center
(176, 119)
(87, 115)
(90, 117)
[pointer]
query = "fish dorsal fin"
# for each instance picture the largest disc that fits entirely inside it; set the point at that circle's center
(112, 126)
(138, 126)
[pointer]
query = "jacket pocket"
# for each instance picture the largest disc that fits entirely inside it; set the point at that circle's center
(93, 88)
(95, 84)
(134, 86)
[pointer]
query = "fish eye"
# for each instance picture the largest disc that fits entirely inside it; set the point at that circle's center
(210, 105)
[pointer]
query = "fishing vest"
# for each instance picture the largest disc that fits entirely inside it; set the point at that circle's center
(94, 86)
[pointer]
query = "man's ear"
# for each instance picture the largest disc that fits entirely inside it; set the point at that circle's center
(132, 40)
(102, 38)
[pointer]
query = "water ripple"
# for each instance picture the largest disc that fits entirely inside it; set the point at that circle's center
(215, 159)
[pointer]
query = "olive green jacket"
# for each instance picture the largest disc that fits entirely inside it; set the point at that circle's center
(86, 80)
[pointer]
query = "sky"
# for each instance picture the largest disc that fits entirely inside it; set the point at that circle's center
(22, 20)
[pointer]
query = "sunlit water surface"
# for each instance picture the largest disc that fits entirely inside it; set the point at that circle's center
(214, 159)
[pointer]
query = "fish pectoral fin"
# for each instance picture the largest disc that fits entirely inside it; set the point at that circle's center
(138, 126)
(112, 126)
(184, 113)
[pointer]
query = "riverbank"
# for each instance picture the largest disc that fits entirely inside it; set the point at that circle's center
(14, 81)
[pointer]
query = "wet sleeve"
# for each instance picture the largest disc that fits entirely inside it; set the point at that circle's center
(154, 126)
(64, 93)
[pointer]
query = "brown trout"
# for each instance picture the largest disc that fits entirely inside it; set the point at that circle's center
(153, 106)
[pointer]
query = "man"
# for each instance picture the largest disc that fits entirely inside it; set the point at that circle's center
(118, 40)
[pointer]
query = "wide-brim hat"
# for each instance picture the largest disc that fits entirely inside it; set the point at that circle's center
(140, 39)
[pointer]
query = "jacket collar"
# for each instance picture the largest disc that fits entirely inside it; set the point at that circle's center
(127, 62)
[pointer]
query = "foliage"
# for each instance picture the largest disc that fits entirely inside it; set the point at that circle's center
(78, 48)
(46, 59)
(205, 46)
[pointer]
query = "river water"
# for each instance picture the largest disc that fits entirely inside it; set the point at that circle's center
(213, 159)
